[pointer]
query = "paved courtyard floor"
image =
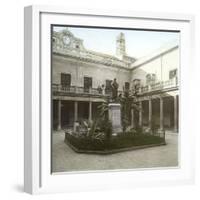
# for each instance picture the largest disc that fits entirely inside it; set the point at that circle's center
(64, 159)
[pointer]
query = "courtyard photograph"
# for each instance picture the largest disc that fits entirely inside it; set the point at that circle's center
(115, 98)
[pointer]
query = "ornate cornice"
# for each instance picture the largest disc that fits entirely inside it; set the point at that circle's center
(91, 59)
(66, 44)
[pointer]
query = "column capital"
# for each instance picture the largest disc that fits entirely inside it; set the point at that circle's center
(150, 98)
(161, 98)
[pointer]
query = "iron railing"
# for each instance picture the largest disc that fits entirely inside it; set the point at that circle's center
(162, 85)
(57, 88)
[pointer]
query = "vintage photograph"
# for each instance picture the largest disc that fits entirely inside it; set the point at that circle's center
(115, 98)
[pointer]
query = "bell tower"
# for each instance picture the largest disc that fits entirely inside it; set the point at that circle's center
(120, 46)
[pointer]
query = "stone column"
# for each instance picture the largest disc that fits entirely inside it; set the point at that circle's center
(59, 115)
(132, 118)
(90, 111)
(150, 113)
(75, 111)
(140, 114)
(161, 114)
(175, 114)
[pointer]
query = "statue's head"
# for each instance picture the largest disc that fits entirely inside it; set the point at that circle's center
(115, 79)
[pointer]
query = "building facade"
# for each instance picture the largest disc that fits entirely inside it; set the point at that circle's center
(81, 80)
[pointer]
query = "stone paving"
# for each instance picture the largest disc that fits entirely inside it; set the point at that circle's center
(65, 159)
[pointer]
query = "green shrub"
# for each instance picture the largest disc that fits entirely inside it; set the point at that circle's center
(123, 140)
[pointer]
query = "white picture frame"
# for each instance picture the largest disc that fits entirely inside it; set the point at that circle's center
(37, 136)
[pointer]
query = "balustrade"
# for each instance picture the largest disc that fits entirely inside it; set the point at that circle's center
(159, 86)
(76, 90)
(96, 91)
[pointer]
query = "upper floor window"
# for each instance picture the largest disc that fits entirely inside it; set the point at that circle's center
(108, 86)
(172, 73)
(136, 82)
(150, 78)
(153, 78)
(87, 83)
(65, 79)
(127, 85)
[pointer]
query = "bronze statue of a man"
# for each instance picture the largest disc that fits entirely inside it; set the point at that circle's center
(114, 86)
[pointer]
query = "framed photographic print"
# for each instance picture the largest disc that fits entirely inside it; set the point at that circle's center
(106, 95)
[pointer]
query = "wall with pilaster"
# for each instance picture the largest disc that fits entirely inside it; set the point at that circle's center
(99, 72)
(79, 69)
(159, 66)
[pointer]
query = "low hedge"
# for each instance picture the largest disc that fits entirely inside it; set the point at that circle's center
(120, 141)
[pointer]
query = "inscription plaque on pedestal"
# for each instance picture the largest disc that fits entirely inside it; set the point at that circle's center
(115, 117)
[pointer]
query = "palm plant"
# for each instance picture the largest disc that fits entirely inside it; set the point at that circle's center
(103, 110)
(127, 103)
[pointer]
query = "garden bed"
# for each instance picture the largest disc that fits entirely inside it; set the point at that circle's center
(119, 143)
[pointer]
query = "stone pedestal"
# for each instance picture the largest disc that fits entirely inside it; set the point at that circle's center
(114, 112)
(76, 127)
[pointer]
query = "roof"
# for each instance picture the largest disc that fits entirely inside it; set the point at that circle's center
(153, 55)
(127, 62)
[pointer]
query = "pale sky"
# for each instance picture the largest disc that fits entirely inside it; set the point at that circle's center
(139, 43)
